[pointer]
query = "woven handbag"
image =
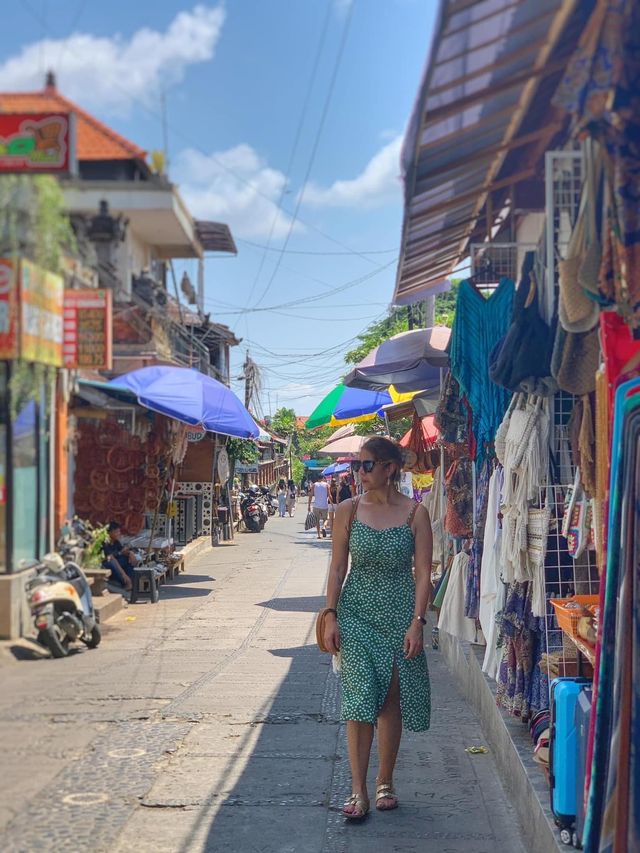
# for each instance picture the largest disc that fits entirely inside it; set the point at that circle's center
(311, 521)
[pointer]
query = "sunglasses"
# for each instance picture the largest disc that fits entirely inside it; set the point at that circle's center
(367, 466)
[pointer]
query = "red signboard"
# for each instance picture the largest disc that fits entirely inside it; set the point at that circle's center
(37, 142)
(87, 329)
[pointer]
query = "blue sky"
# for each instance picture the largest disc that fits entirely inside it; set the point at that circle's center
(236, 78)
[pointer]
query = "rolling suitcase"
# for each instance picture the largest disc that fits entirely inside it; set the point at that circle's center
(563, 752)
(583, 717)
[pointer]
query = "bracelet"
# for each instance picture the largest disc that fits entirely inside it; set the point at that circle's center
(421, 619)
(331, 610)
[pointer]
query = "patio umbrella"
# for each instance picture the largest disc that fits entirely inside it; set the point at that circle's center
(336, 468)
(410, 361)
(349, 446)
(191, 397)
(345, 405)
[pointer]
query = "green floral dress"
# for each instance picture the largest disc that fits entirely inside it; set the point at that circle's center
(375, 610)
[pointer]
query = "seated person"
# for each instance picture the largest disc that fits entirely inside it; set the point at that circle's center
(118, 559)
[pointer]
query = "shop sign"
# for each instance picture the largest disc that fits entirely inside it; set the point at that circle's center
(195, 433)
(88, 323)
(246, 468)
(8, 310)
(37, 142)
(224, 469)
(41, 304)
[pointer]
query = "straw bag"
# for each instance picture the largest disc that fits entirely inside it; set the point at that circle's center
(577, 357)
(577, 312)
(311, 521)
(538, 521)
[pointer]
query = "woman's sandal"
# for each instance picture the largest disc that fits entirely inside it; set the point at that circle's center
(386, 791)
(360, 803)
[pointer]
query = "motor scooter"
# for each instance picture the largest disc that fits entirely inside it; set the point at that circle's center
(251, 514)
(62, 606)
(270, 501)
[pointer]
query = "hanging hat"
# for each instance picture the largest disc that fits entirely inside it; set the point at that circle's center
(578, 313)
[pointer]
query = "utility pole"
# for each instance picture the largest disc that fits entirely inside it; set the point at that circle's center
(248, 380)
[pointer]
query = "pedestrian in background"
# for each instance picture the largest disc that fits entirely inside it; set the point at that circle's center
(332, 502)
(282, 499)
(345, 491)
(319, 494)
(291, 498)
(375, 619)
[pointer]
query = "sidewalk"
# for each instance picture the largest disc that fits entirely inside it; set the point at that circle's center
(211, 722)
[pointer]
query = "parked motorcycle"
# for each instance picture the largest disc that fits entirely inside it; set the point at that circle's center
(62, 606)
(270, 501)
(251, 513)
(257, 493)
(75, 537)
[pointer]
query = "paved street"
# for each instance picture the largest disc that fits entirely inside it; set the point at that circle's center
(211, 722)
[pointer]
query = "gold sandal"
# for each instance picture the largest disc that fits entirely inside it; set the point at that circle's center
(386, 791)
(359, 802)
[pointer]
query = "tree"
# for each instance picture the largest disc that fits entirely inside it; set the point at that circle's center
(283, 423)
(446, 305)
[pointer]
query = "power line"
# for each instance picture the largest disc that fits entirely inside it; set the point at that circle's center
(294, 149)
(316, 144)
(305, 252)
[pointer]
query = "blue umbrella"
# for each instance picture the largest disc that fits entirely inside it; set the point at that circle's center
(191, 397)
(356, 402)
(336, 468)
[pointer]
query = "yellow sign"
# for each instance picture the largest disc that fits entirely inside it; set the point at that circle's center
(41, 310)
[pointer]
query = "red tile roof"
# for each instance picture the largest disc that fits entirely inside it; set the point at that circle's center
(95, 141)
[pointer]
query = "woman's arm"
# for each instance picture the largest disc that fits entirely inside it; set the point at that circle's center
(423, 553)
(337, 572)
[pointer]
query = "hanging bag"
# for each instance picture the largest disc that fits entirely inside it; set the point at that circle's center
(577, 312)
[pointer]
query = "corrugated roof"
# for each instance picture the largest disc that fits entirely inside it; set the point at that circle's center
(215, 237)
(487, 60)
(95, 141)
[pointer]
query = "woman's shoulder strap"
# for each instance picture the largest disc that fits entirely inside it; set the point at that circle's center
(354, 510)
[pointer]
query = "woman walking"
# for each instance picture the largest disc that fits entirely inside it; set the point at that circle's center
(377, 620)
(291, 498)
(282, 498)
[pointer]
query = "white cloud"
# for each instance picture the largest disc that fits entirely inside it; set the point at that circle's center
(376, 185)
(112, 72)
(235, 186)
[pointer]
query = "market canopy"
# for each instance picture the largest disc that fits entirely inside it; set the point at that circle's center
(430, 432)
(189, 396)
(336, 468)
(349, 446)
(479, 128)
(410, 361)
(345, 405)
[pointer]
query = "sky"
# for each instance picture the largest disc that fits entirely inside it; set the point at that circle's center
(285, 119)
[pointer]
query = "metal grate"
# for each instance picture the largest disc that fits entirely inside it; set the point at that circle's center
(492, 261)
(564, 577)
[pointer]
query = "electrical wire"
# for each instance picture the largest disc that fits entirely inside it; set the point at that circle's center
(294, 148)
(306, 252)
(316, 145)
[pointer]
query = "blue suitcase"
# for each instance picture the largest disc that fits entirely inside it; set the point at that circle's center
(583, 718)
(563, 752)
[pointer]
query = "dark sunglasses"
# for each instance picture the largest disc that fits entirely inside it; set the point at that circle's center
(367, 466)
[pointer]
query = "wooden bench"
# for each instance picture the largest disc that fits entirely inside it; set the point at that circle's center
(147, 579)
(97, 580)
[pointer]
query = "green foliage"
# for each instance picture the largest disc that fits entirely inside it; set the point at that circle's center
(94, 554)
(297, 470)
(283, 422)
(242, 450)
(375, 334)
(33, 219)
(445, 307)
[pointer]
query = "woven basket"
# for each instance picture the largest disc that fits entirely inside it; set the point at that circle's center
(568, 617)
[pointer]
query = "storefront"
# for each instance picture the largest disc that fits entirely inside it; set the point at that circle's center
(31, 301)
(533, 513)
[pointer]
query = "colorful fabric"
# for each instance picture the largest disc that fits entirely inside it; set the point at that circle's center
(375, 610)
(602, 91)
(472, 594)
(478, 326)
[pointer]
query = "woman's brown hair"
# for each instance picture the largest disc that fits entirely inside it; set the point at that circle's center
(385, 450)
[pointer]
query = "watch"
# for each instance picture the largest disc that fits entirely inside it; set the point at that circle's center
(421, 619)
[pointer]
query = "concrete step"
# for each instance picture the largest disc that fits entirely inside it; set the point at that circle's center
(107, 605)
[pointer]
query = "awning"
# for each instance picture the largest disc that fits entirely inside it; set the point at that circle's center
(215, 237)
(472, 131)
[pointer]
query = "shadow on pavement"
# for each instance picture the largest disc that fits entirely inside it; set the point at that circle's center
(302, 604)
